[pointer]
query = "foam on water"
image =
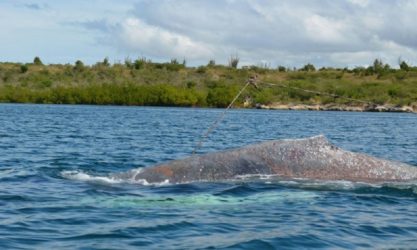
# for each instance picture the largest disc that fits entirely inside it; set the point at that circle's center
(308, 184)
(81, 176)
(108, 180)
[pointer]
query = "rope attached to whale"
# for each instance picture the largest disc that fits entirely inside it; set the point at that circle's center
(219, 119)
(253, 81)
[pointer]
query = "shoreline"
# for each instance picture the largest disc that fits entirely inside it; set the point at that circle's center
(274, 106)
(340, 107)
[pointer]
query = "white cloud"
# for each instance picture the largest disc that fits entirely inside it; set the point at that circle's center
(322, 29)
(138, 36)
(291, 33)
(361, 3)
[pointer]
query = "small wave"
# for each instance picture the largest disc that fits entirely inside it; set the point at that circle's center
(14, 198)
(301, 183)
(15, 173)
(109, 180)
(81, 176)
(238, 190)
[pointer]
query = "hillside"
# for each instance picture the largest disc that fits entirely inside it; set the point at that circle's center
(142, 82)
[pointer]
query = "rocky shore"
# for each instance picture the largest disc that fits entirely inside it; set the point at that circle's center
(340, 107)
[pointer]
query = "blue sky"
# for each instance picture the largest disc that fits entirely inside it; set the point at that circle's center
(273, 32)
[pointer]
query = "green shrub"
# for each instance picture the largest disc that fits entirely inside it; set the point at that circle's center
(264, 96)
(281, 69)
(37, 61)
(139, 63)
(79, 66)
(308, 67)
(172, 84)
(211, 63)
(24, 68)
(220, 96)
(233, 61)
(201, 70)
(404, 66)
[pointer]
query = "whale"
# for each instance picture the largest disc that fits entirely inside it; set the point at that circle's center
(308, 158)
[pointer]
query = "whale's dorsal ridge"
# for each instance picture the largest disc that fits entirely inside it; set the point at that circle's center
(317, 141)
(320, 140)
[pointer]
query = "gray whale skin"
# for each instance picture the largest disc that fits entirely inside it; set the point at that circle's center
(311, 158)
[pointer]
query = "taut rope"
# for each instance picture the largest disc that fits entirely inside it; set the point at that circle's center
(252, 81)
(220, 118)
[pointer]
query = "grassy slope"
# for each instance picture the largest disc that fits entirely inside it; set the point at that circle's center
(175, 85)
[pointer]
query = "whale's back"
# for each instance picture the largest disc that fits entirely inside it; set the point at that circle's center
(313, 158)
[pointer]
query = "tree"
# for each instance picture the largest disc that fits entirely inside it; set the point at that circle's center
(378, 65)
(404, 66)
(211, 63)
(128, 62)
(308, 67)
(106, 62)
(37, 61)
(139, 63)
(233, 61)
(24, 68)
(79, 65)
(281, 69)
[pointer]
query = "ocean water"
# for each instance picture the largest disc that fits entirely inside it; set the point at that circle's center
(56, 191)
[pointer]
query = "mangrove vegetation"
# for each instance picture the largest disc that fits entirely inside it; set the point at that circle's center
(143, 82)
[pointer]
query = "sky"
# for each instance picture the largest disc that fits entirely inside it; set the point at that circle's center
(291, 33)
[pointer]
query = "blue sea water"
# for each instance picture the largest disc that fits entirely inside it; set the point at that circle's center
(55, 161)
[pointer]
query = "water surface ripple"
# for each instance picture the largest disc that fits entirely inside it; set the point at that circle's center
(41, 209)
